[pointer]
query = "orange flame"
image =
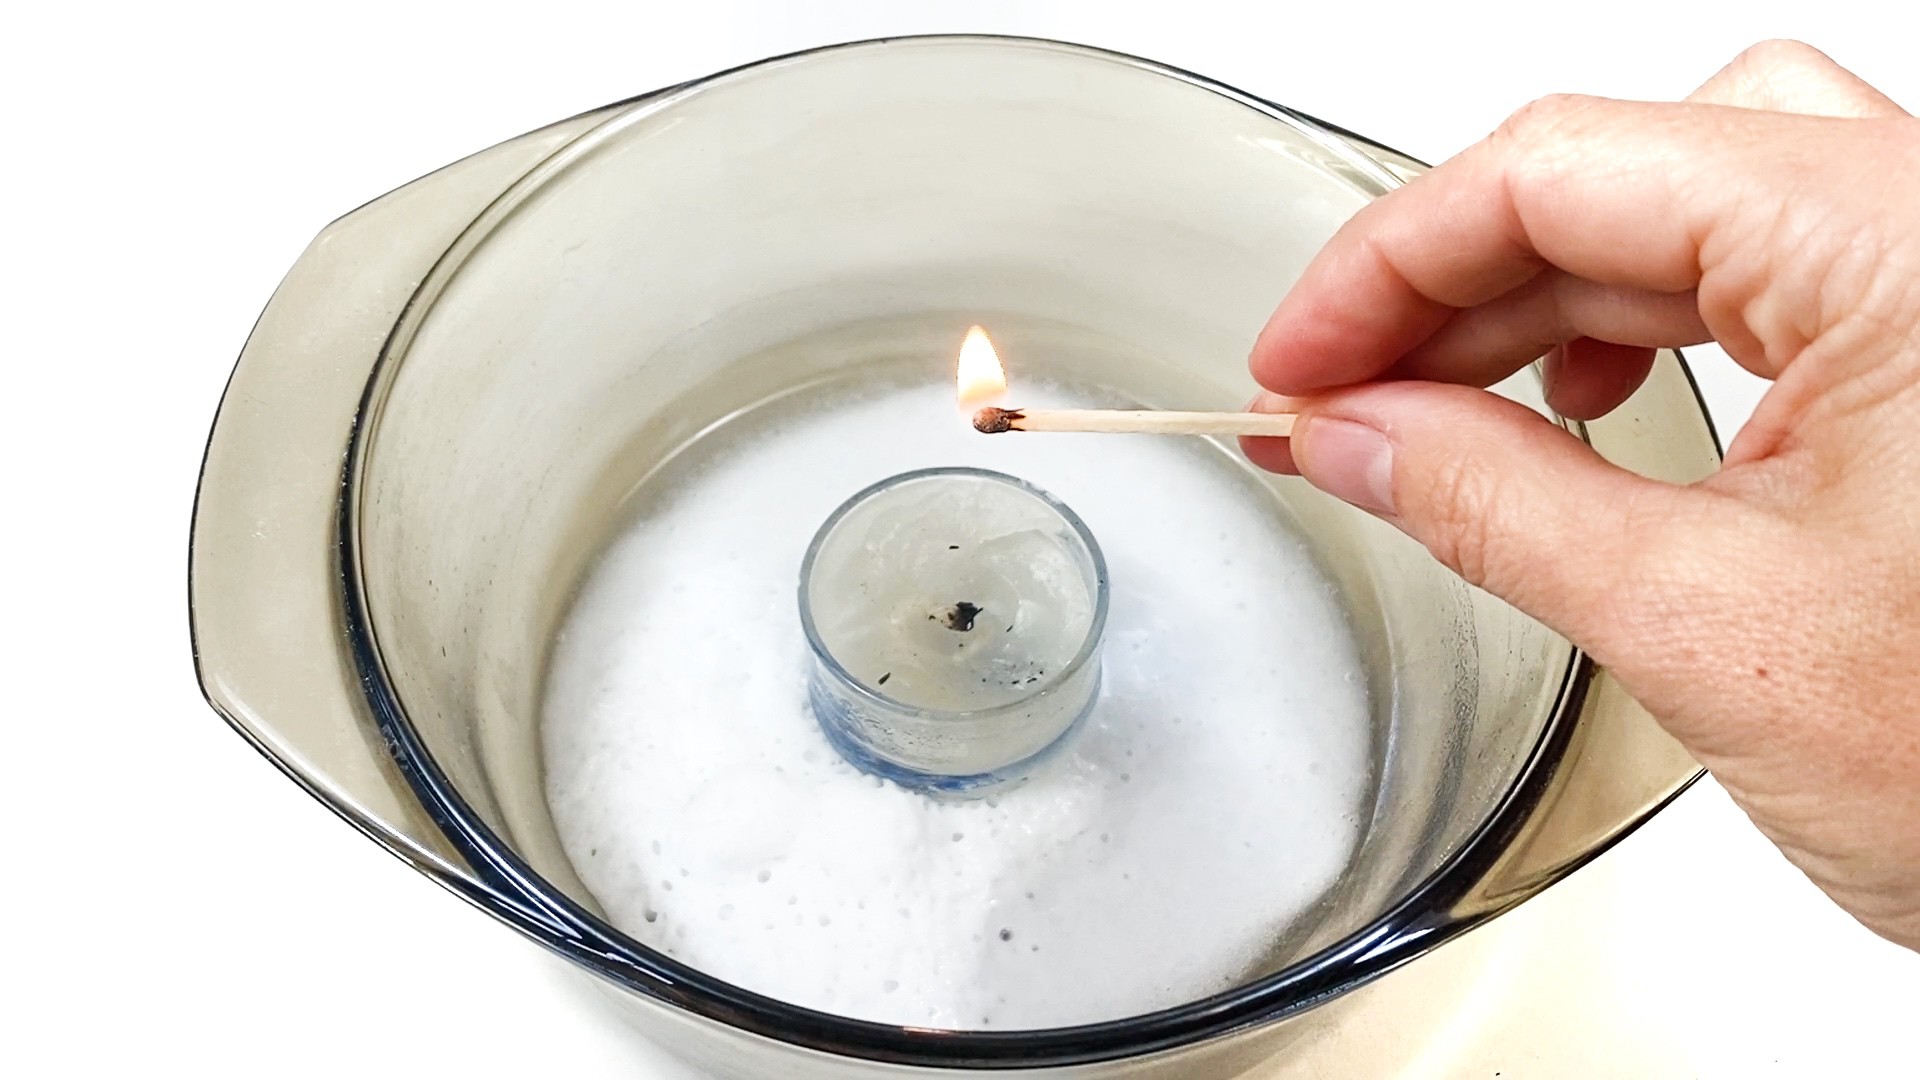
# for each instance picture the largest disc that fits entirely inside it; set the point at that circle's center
(981, 378)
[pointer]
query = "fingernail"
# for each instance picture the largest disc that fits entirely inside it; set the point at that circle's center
(1349, 461)
(1551, 365)
(1270, 402)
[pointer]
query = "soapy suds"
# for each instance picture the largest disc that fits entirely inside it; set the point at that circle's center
(1212, 796)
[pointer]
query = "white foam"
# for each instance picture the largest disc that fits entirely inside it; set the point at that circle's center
(1212, 796)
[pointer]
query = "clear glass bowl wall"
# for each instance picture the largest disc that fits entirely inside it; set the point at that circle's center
(1114, 227)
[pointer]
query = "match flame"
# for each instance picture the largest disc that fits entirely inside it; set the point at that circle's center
(981, 377)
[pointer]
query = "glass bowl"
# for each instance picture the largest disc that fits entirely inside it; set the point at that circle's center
(509, 350)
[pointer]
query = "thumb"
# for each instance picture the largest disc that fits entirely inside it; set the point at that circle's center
(1508, 500)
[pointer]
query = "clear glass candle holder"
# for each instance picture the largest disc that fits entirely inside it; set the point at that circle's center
(954, 616)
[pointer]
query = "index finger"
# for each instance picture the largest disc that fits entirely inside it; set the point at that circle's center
(1792, 76)
(1607, 191)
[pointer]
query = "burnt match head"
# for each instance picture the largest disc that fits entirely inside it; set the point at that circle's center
(992, 421)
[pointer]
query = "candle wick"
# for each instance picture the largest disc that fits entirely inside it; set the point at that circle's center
(959, 617)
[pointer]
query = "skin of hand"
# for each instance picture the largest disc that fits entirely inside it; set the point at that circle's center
(1768, 616)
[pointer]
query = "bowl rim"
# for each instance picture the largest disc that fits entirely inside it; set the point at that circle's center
(519, 895)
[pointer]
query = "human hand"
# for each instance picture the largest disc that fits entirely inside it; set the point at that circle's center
(1768, 616)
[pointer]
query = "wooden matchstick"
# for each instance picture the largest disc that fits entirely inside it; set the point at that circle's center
(1133, 421)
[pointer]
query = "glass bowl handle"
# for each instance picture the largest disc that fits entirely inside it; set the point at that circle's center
(263, 573)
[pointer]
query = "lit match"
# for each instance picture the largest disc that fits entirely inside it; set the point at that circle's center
(992, 421)
(982, 378)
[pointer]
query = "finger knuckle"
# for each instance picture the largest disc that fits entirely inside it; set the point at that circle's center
(1540, 146)
(1544, 120)
(1463, 508)
(1776, 54)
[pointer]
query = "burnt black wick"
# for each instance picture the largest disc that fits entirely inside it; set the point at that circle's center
(958, 617)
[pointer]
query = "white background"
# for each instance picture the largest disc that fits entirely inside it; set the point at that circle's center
(171, 902)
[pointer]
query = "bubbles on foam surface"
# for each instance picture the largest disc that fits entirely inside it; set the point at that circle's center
(1211, 797)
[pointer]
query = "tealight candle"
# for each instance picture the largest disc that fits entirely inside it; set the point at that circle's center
(954, 616)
